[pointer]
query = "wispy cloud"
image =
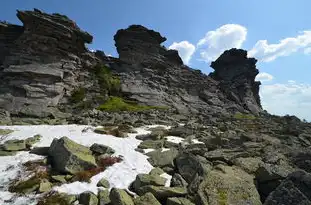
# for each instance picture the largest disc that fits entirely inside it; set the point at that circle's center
(266, 52)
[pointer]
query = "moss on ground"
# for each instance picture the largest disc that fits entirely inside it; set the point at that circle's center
(5, 131)
(241, 116)
(115, 104)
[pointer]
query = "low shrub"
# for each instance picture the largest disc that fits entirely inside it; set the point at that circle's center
(78, 95)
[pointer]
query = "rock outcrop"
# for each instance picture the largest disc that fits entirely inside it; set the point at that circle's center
(236, 74)
(44, 61)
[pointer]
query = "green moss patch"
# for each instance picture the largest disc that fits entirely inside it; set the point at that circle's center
(78, 95)
(107, 81)
(5, 131)
(241, 116)
(115, 104)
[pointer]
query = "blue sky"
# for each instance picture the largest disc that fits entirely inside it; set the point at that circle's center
(273, 32)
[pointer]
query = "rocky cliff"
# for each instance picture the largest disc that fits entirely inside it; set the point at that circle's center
(44, 60)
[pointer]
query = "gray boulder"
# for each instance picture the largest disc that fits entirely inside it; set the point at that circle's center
(70, 157)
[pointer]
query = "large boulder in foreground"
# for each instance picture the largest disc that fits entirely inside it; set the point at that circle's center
(70, 157)
(228, 185)
(295, 189)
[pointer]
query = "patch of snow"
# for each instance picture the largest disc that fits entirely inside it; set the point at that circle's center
(164, 149)
(168, 179)
(195, 141)
(119, 175)
(174, 139)
(148, 150)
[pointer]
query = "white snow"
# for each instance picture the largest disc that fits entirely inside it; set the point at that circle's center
(178, 140)
(119, 175)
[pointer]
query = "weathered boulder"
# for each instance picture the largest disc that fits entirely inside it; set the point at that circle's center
(179, 201)
(103, 183)
(88, 198)
(162, 193)
(103, 197)
(151, 144)
(14, 145)
(228, 185)
(177, 180)
(162, 159)
(146, 179)
(295, 189)
(120, 197)
(148, 198)
(101, 149)
(189, 166)
(70, 157)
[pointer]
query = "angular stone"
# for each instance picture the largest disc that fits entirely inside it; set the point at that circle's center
(103, 183)
(178, 181)
(179, 201)
(59, 178)
(148, 198)
(146, 179)
(151, 144)
(88, 198)
(228, 185)
(156, 171)
(7, 153)
(120, 197)
(101, 149)
(45, 186)
(5, 131)
(32, 140)
(162, 159)
(103, 197)
(14, 145)
(70, 157)
(162, 193)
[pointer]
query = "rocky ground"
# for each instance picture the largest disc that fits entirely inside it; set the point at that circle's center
(217, 146)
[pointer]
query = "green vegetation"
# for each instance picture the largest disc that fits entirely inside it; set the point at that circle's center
(222, 200)
(115, 104)
(5, 131)
(107, 81)
(78, 95)
(241, 116)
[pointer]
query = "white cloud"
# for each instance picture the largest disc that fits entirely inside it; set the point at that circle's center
(266, 52)
(264, 77)
(289, 98)
(223, 38)
(185, 50)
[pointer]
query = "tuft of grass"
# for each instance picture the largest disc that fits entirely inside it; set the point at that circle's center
(222, 197)
(241, 116)
(109, 161)
(78, 95)
(107, 81)
(115, 104)
(85, 176)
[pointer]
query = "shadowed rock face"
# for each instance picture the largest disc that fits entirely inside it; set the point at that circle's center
(40, 61)
(44, 60)
(236, 74)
